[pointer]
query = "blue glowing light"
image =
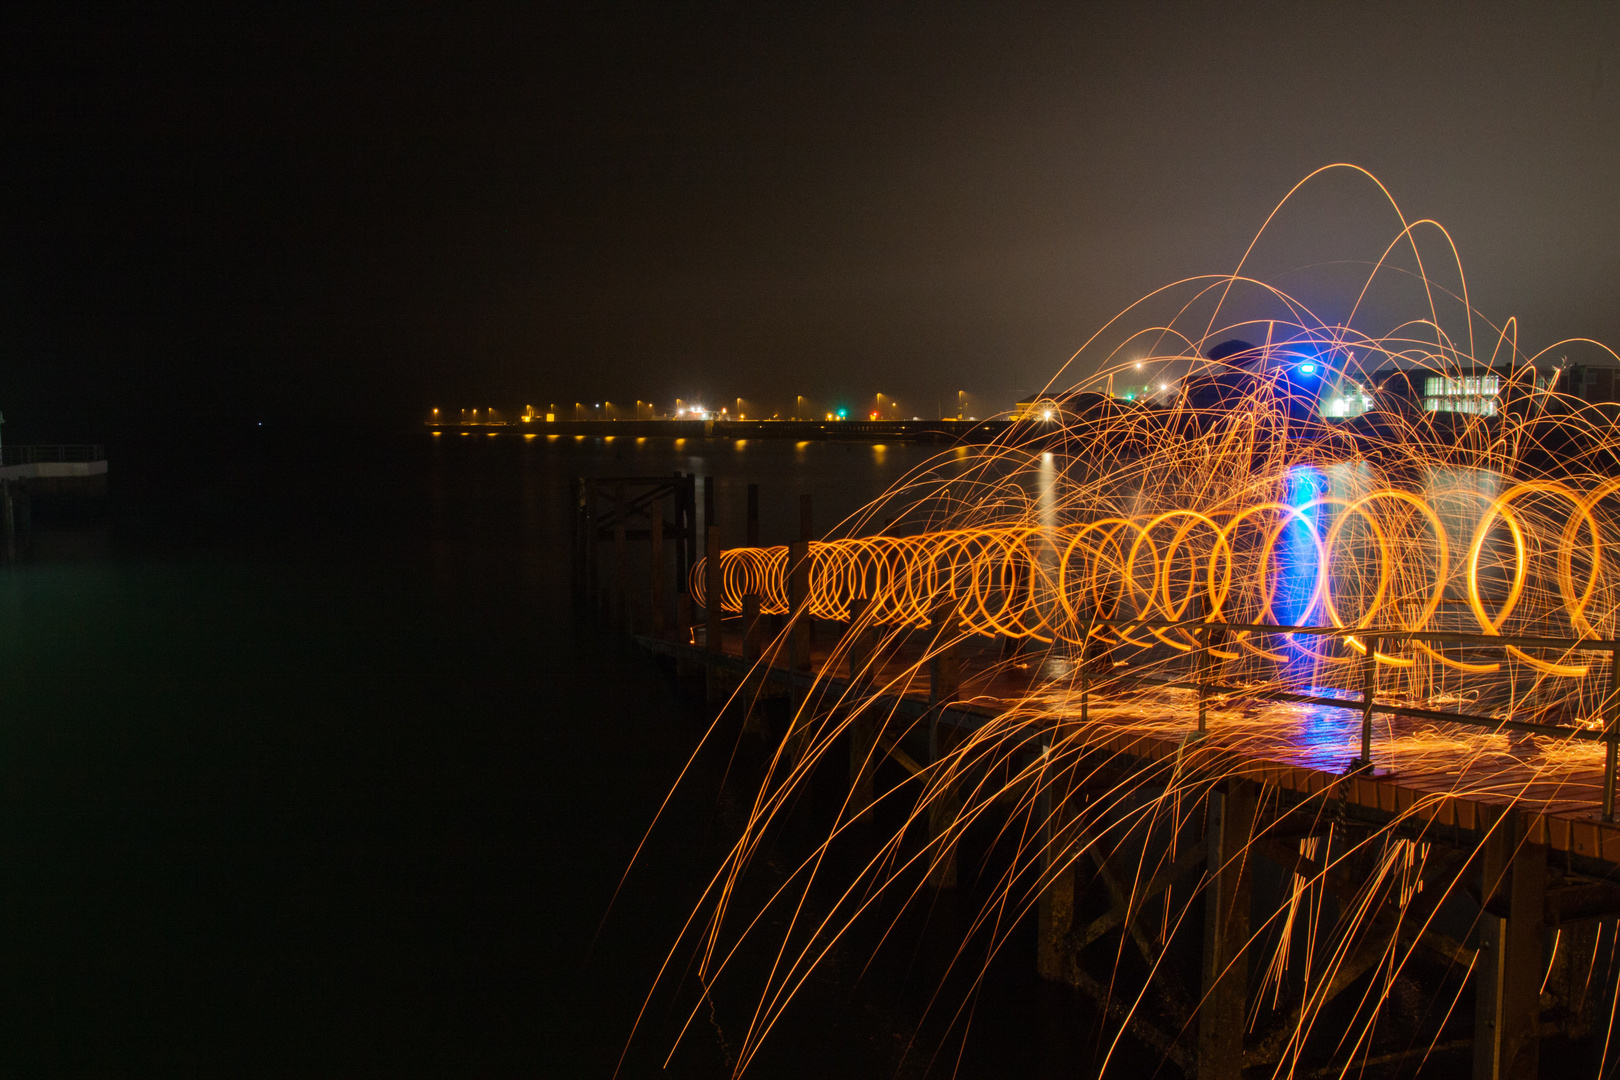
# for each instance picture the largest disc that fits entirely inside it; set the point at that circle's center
(1307, 369)
(1296, 557)
(842, 413)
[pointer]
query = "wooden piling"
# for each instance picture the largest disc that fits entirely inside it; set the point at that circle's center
(10, 522)
(753, 515)
(752, 648)
(799, 640)
(1054, 915)
(621, 579)
(944, 688)
(590, 536)
(1510, 968)
(1227, 896)
(655, 563)
(863, 727)
(713, 601)
(688, 547)
(685, 620)
(612, 597)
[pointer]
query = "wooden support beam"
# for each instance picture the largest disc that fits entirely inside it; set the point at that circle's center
(1510, 969)
(1582, 902)
(1569, 983)
(1230, 828)
(1126, 906)
(892, 751)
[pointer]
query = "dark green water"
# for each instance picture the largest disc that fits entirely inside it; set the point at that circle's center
(308, 767)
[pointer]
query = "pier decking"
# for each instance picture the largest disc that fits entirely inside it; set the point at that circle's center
(1511, 867)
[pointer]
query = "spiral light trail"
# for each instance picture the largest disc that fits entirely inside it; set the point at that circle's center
(1222, 530)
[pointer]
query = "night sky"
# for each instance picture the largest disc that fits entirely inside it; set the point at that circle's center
(297, 215)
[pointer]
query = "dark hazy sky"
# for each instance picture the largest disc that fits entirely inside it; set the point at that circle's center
(292, 212)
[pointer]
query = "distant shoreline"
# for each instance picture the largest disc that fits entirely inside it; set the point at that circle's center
(816, 430)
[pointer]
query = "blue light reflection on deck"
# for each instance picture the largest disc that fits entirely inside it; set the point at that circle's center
(1296, 561)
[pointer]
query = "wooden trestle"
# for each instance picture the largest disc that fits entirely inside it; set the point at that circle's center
(1519, 881)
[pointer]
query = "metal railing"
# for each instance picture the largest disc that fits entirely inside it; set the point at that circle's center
(1372, 639)
(29, 454)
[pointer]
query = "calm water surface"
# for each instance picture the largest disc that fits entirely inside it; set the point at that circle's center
(308, 766)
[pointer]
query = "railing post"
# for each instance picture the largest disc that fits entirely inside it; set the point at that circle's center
(1085, 676)
(1202, 633)
(1369, 693)
(1611, 735)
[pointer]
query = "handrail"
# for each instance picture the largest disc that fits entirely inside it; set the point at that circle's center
(1368, 704)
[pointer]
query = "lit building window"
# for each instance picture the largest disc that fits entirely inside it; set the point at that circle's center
(1474, 395)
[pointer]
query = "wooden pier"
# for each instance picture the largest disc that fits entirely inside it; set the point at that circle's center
(1513, 874)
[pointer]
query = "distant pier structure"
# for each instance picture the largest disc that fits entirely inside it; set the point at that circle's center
(67, 481)
(950, 431)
